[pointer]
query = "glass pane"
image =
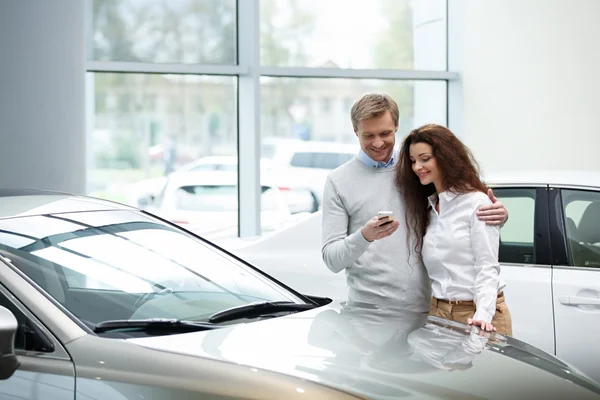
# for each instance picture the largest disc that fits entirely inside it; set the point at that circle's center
(145, 126)
(582, 224)
(217, 198)
(184, 31)
(402, 34)
(304, 140)
(206, 198)
(517, 240)
(206, 203)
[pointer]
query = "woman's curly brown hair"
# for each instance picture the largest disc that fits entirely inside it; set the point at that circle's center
(458, 167)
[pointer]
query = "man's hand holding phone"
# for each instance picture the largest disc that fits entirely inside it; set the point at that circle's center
(380, 226)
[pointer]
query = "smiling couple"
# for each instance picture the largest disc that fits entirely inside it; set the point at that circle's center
(440, 254)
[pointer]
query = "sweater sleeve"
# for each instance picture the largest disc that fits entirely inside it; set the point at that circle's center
(340, 249)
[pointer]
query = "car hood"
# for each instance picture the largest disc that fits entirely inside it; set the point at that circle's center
(384, 354)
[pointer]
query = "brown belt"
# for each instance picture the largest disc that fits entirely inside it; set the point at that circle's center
(462, 302)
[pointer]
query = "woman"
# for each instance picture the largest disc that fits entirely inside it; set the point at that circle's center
(439, 181)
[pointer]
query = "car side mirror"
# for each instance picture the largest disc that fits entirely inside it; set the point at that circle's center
(8, 329)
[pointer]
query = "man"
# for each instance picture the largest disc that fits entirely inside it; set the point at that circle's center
(375, 256)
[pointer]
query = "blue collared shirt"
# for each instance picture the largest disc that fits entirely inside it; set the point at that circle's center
(369, 162)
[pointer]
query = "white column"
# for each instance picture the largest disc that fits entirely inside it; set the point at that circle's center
(531, 84)
(42, 103)
(249, 118)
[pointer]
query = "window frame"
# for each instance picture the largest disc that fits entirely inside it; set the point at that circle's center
(248, 70)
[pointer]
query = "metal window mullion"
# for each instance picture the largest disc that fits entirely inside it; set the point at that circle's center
(249, 118)
(164, 68)
(307, 72)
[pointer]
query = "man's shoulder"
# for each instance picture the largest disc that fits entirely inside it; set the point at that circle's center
(346, 170)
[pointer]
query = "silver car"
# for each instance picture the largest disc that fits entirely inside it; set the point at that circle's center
(103, 301)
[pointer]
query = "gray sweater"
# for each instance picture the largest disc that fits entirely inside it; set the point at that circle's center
(377, 272)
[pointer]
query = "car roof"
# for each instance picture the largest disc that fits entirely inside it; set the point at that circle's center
(547, 177)
(30, 202)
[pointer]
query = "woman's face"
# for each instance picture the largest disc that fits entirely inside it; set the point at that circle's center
(425, 165)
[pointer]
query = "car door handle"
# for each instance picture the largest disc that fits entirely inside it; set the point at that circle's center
(579, 301)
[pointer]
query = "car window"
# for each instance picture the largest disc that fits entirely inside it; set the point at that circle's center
(302, 160)
(517, 239)
(106, 261)
(218, 198)
(206, 198)
(214, 167)
(581, 210)
(227, 167)
(28, 337)
(331, 160)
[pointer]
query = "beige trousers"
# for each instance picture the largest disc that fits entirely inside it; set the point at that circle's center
(461, 311)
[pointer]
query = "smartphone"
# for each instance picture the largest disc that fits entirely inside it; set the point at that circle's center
(388, 215)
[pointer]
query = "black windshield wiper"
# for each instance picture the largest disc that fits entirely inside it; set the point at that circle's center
(254, 310)
(153, 324)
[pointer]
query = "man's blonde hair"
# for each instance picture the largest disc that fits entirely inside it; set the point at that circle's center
(372, 105)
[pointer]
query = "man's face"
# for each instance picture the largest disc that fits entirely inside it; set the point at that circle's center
(377, 136)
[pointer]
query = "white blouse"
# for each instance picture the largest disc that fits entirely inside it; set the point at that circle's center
(460, 252)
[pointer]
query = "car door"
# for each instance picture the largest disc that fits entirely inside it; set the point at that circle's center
(46, 371)
(524, 256)
(576, 280)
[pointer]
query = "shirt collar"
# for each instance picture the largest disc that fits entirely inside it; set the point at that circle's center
(369, 162)
(447, 195)
(432, 200)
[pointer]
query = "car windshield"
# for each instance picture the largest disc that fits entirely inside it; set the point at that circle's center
(115, 265)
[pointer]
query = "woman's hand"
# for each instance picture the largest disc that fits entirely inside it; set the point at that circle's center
(484, 326)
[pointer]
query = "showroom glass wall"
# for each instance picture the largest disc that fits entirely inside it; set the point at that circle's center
(207, 88)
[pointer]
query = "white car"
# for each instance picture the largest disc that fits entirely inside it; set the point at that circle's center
(549, 252)
(298, 163)
(206, 203)
(143, 193)
(219, 163)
